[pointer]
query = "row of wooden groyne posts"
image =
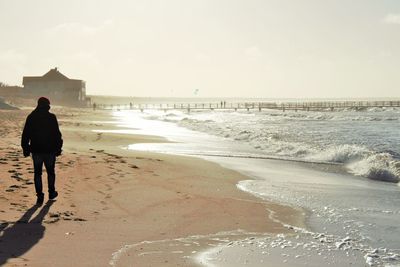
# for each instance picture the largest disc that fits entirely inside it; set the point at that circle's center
(296, 106)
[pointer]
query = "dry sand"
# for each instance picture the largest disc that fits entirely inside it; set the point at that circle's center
(111, 197)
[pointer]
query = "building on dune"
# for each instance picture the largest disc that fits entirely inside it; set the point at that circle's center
(57, 87)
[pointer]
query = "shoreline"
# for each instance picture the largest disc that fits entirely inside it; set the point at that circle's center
(106, 190)
(321, 190)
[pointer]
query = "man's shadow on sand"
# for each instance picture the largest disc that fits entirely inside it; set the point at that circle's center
(17, 239)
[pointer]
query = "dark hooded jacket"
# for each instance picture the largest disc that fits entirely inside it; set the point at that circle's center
(41, 133)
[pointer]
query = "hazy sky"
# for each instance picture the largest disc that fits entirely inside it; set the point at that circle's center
(237, 48)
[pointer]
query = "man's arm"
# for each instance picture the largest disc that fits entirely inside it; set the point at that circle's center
(58, 137)
(26, 136)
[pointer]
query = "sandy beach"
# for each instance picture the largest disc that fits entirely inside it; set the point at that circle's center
(200, 133)
(118, 207)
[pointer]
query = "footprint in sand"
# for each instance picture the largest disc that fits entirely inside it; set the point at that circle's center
(115, 180)
(54, 220)
(98, 137)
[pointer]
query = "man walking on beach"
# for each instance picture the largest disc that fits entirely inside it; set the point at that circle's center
(42, 137)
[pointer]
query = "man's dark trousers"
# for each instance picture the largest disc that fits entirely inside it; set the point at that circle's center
(49, 160)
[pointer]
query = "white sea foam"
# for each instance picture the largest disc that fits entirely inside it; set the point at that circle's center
(341, 154)
(380, 166)
(363, 162)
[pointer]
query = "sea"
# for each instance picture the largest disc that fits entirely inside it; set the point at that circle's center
(341, 167)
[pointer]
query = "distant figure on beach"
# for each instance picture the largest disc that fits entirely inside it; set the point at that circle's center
(42, 137)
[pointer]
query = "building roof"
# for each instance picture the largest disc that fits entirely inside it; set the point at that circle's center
(51, 75)
(54, 75)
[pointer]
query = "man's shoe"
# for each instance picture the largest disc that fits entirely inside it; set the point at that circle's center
(53, 195)
(40, 199)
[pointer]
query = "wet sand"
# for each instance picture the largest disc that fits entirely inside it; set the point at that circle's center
(118, 207)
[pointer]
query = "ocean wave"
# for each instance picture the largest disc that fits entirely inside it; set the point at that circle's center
(341, 154)
(376, 114)
(380, 166)
(171, 115)
(195, 121)
(295, 136)
(361, 161)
